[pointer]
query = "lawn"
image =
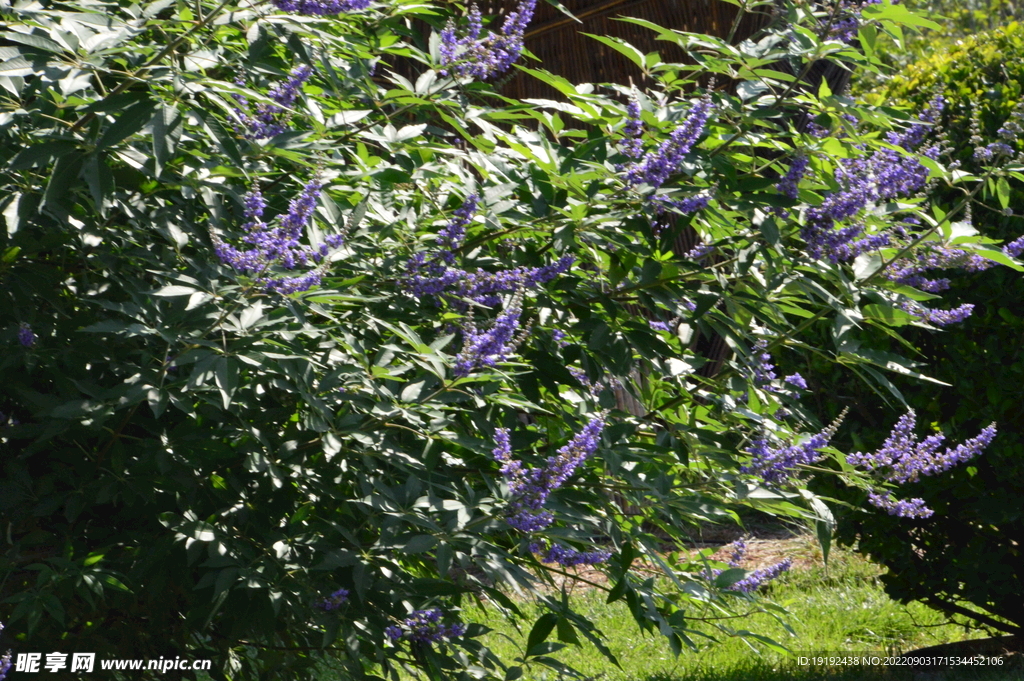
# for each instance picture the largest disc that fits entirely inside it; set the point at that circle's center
(838, 609)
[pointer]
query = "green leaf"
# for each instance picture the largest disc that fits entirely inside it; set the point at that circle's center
(898, 14)
(42, 154)
(65, 173)
(539, 633)
(226, 375)
(557, 82)
(127, 124)
(12, 216)
(173, 290)
(1003, 192)
(824, 522)
(33, 40)
(622, 47)
(566, 632)
(17, 67)
(167, 129)
(420, 543)
(99, 179)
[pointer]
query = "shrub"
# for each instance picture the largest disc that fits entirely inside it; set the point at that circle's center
(301, 356)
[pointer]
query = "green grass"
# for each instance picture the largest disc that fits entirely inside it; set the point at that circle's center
(841, 610)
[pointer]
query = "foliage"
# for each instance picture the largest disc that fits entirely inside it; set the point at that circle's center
(264, 326)
(968, 558)
(957, 21)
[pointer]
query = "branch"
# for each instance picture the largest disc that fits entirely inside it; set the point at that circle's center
(953, 608)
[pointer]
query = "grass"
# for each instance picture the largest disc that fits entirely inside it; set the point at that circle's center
(839, 610)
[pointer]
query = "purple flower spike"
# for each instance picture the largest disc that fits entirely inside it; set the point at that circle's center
(279, 246)
(556, 553)
(632, 143)
(764, 370)
(884, 175)
(757, 578)
(754, 579)
(451, 236)
(739, 551)
(335, 600)
(25, 335)
(938, 317)
(658, 165)
(488, 57)
(321, 8)
(424, 626)
(796, 380)
(790, 182)
(906, 508)
(531, 487)
(1014, 248)
(270, 119)
(777, 465)
(487, 348)
(902, 459)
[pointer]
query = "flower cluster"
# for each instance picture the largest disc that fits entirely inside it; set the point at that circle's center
(270, 119)
(882, 176)
(656, 166)
(937, 317)
(690, 204)
(279, 246)
(5, 660)
(934, 256)
(739, 550)
(531, 487)
(431, 276)
(321, 8)
(790, 182)
(581, 376)
(556, 553)
(699, 252)
(796, 380)
(1015, 247)
(424, 626)
(753, 580)
(451, 235)
(25, 335)
(335, 600)
(776, 465)
(435, 274)
(848, 21)
(764, 370)
(487, 348)
(488, 57)
(902, 459)
(1008, 133)
(632, 142)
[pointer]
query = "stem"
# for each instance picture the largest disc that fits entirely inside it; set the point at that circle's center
(953, 608)
(736, 23)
